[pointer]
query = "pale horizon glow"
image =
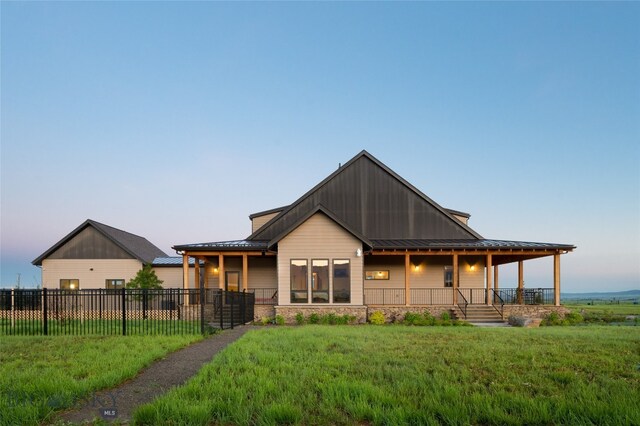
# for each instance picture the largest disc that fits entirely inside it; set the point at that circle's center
(175, 121)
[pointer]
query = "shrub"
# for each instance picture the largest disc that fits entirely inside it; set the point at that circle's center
(573, 318)
(377, 318)
(314, 318)
(445, 316)
(516, 321)
(299, 318)
(428, 318)
(552, 319)
(279, 320)
(266, 321)
(412, 318)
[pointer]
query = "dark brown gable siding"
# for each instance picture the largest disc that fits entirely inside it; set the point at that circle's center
(374, 203)
(90, 244)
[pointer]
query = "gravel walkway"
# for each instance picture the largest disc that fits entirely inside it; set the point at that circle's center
(118, 404)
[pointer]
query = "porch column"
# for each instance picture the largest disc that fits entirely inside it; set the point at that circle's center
(495, 277)
(556, 279)
(455, 279)
(196, 270)
(244, 285)
(185, 276)
(206, 274)
(489, 279)
(407, 283)
(221, 271)
(520, 281)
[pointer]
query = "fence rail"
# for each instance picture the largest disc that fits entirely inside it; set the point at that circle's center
(121, 311)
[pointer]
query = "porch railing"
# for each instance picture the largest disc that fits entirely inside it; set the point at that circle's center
(526, 296)
(462, 303)
(265, 296)
(384, 296)
(474, 296)
(497, 301)
(432, 296)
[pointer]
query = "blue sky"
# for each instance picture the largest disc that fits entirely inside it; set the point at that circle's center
(175, 121)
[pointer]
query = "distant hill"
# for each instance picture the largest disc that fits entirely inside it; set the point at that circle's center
(618, 295)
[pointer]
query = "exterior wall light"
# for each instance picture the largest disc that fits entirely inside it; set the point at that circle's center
(359, 252)
(472, 268)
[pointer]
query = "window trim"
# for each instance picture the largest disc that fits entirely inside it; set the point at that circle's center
(114, 286)
(328, 291)
(306, 278)
(333, 279)
(77, 282)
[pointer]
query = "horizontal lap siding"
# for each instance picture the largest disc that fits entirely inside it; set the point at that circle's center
(319, 238)
(260, 221)
(53, 270)
(263, 272)
(172, 276)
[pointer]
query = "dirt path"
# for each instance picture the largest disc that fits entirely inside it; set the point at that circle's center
(118, 404)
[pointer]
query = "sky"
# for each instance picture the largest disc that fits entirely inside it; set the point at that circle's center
(175, 121)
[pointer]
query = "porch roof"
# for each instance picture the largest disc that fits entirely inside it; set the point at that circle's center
(224, 246)
(482, 244)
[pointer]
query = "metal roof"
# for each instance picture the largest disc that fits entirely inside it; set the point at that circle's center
(374, 201)
(137, 246)
(417, 244)
(266, 212)
(224, 246)
(173, 261)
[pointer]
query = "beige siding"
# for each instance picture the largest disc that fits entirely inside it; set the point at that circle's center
(393, 264)
(92, 273)
(172, 276)
(430, 272)
(319, 238)
(462, 219)
(263, 272)
(259, 221)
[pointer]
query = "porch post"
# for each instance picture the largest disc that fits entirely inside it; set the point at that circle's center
(185, 276)
(221, 271)
(244, 285)
(206, 274)
(455, 278)
(556, 279)
(407, 283)
(520, 282)
(489, 279)
(495, 277)
(196, 274)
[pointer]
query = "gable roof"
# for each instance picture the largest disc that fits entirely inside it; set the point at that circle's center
(330, 215)
(138, 247)
(373, 201)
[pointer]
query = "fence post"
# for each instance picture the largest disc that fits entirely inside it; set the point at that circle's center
(232, 300)
(202, 300)
(124, 312)
(45, 322)
(221, 307)
(243, 308)
(13, 308)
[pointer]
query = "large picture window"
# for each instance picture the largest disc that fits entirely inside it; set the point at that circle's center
(69, 284)
(341, 281)
(299, 288)
(320, 281)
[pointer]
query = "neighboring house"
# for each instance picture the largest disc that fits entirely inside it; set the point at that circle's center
(98, 256)
(365, 237)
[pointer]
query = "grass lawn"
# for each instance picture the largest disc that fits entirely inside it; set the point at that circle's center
(39, 375)
(414, 375)
(621, 309)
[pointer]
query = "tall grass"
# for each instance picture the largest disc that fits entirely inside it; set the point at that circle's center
(39, 375)
(400, 375)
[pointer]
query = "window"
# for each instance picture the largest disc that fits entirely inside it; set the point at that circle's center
(341, 281)
(320, 281)
(299, 286)
(376, 275)
(70, 284)
(113, 284)
(448, 276)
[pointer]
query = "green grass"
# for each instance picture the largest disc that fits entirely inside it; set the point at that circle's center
(617, 309)
(413, 375)
(39, 375)
(98, 327)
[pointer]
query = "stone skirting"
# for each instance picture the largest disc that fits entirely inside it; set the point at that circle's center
(533, 311)
(289, 312)
(396, 313)
(263, 311)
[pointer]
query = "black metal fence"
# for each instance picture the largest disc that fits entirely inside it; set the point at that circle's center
(121, 311)
(266, 296)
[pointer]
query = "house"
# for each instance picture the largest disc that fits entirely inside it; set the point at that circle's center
(98, 256)
(364, 239)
